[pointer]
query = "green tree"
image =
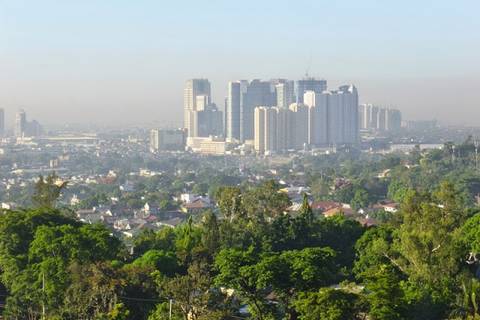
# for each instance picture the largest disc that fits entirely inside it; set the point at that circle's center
(164, 239)
(47, 191)
(237, 270)
(373, 250)
(265, 202)
(162, 261)
(93, 292)
(192, 293)
(361, 199)
(294, 271)
(327, 304)
(385, 295)
(229, 200)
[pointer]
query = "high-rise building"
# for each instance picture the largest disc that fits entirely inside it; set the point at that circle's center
(298, 126)
(351, 132)
(207, 122)
(382, 119)
(364, 114)
(34, 129)
(378, 118)
(283, 129)
(270, 130)
(394, 120)
(285, 93)
(202, 102)
(2, 122)
(232, 110)
(259, 129)
(343, 122)
(167, 140)
(331, 117)
(309, 84)
(20, 124)
(271, 127)
(257, 93)
(193, 89)
(318, 118)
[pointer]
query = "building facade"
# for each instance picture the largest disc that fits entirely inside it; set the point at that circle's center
(379, 118)
(285, 93)
(257, 93)
(232, 110)
(167, 140)
(20, 124)
(196, 91)
(309, 84)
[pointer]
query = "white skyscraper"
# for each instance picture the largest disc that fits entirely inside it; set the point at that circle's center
(271, 129)
(343, 121)
(317, 118)
(378, 118)
(351, 131)
(283, 129)
(299, 125)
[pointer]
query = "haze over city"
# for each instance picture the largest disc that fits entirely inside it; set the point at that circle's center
(126, 62)
(250, 159)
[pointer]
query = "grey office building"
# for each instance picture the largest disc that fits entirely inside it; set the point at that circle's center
(309, 84)
(193, 89)
(257, 93)
(232, 110)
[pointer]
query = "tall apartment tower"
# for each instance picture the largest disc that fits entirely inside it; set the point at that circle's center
(351, 132)
(20, 123)
(317, 118)
(364, 113)
(285, 93)
(2, 122)
(259, 129)
(378, 118)
(373, 117)
(382, 121)
(298, 125)
(343, 121)
(232, 110)
(283, 129)
(193, 89)
(271, 129)
(394, 120)
(309, 84)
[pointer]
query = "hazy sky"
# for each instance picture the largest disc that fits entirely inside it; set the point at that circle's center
(125, 61)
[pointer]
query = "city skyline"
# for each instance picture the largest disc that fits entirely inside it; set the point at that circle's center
(417, 57)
